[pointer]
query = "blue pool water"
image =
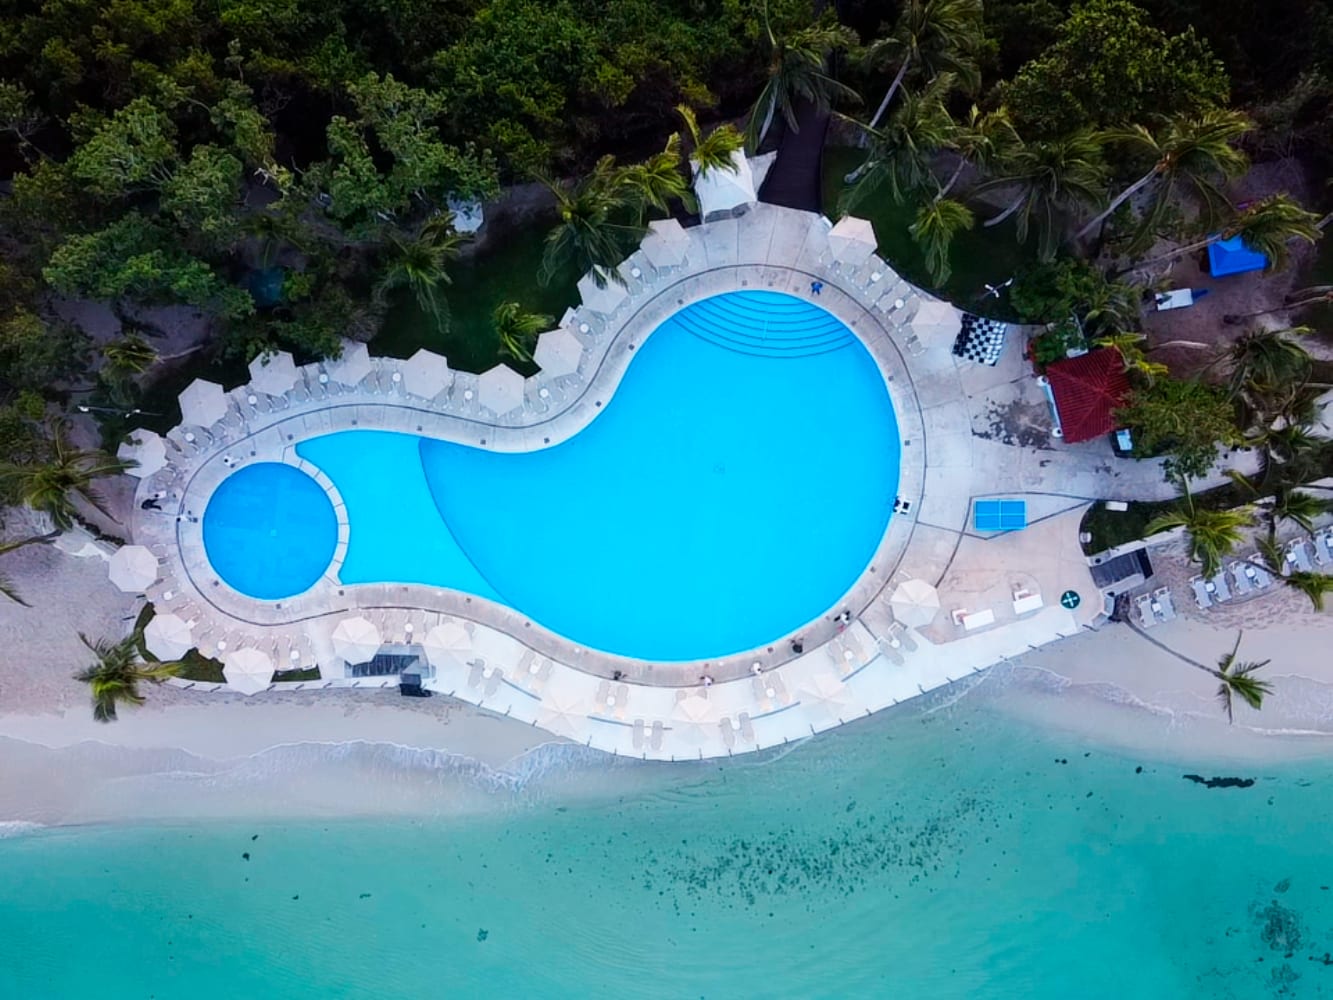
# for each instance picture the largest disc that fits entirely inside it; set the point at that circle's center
(270, 530)
(950, 856)
(734, 486)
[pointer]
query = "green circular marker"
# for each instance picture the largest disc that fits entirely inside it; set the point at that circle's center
(1070, 599)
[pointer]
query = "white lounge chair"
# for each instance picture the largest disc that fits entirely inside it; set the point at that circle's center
(1201, 596)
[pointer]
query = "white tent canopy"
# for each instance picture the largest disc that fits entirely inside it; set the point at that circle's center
(724, 190)
(852, 240)
(203, 403)
(915, 603)
(602, 300)
(145, 448)
(937, 319)
(248, 671)
(558, 352)
(445, 645)
(500, 389)
(666, 243)
(273, 374)
(356, 640)
(426, 374)
(168, 637)
(695, 715)
(133, 568)
(566, 714)
(824, 699)
(352, 366)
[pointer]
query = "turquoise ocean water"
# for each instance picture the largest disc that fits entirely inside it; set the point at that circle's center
(947, 853)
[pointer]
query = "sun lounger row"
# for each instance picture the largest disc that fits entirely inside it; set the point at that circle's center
(1155, 607)
(1248, 576)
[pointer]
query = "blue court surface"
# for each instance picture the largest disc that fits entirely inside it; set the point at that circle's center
(1000, 515)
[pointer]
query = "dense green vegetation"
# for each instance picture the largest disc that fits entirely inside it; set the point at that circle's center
(290, 171)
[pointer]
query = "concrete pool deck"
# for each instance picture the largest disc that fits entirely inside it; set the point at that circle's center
(758, 698)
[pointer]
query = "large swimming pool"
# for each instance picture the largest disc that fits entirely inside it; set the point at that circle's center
(735, 485)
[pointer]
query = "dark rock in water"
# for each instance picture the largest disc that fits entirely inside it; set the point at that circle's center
(1280, 928)
(255, 837)
(483, 934)
(1199, 779)
(246, 855)
(364, 895)
(1139, 769)
(1282, 886)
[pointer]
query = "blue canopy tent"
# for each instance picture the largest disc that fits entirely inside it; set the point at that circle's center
(1233, 257)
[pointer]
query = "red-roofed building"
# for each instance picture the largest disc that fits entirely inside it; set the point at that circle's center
(1088, 390)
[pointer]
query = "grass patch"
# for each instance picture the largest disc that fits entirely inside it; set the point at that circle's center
(1110, 528)
(194, 665)
(506, 274)
(980, 256)
(304, 674)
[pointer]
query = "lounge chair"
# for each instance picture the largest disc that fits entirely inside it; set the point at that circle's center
(1168, 606)
(1298, 555)
(890, 651)
(747, 727)
(655, 739)
(1201, 595)
(728, 733)
(638, 734)
(1323, 550)
(1242, 582)
(1146, 617)
(1218, 585)
(1257, 573)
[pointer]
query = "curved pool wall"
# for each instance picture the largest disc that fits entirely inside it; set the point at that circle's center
(733, 488)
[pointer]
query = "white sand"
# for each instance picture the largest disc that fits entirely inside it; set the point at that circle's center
(362, 752)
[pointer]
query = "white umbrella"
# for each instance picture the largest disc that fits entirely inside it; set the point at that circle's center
(353, 366)
(602, 300)
(566, 714)
(937, 319)
(824, 698)
(852, 240)
(274, 374)
(722, 190)
(666, 243)
(558, 352)
(694, 714)
(133, 568)
(146, 449)
(356, 640)
(426, 374)
(203, 403)
(168, 637)
(248, 671)
(915, 603)
(445, 645)
(500, 389)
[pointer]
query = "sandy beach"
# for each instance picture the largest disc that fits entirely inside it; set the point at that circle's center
(189, 754)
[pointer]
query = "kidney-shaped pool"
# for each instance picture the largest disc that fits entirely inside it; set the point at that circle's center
(737, 483)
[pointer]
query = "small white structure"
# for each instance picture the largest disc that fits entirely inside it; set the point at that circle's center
(666, 243)
(566, 714)
(500, 389)
(168, 637)
(604, 299)
(558, 352)
(248, 671)
(352, 366)
(133, 568)
(852, 241)
(274, 374)
(426, 374)
(468, 213)
(203, 403)
(146, 449)
(356, 640)
(936, 319)
(723, 192)
(915, 603)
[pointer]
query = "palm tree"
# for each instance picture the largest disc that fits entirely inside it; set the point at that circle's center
(795, 73)
(517, 329)
(125, 358)
(587, 237)
(68, 472)
(1213, 534)
(1195, 152)
(1237, 678)
(1132, 353)
(930, 37)
(900, 153)
(420, 264)
(938, 221)
(654, 182)
(1312, 585)
(1266, 227)
(1299, 299)
(983, 140)
(116, 675)
(713, 151)
(1054, 176)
